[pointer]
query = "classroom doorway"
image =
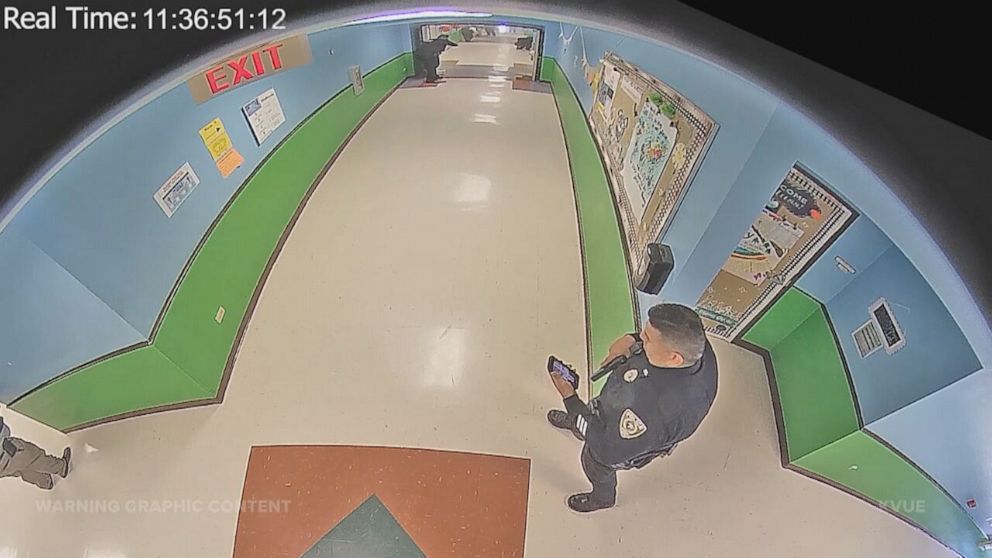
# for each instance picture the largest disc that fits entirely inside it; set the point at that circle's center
(801, 220)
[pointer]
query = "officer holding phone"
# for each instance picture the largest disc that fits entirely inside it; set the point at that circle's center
(663, 386)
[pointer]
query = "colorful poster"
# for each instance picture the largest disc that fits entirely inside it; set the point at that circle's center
(800, 219)
(176, 189)
(264, 114)
(650, 148)
(221, 148)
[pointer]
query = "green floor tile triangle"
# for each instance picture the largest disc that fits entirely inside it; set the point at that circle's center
(368, 532)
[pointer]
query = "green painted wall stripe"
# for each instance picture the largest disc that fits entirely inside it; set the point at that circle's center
(188, 357)
(138, 379)
(884, 477)
(822, 432)
(815, 397)
(789, 311)
(609, 295)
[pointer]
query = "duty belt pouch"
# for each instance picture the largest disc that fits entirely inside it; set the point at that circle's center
(8, 447)
(645, 458)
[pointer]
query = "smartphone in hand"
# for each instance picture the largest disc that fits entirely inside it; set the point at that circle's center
(557, 366)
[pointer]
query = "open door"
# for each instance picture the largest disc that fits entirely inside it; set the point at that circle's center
(484, 50)
(800, 221)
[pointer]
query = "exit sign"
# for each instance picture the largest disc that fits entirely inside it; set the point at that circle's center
(249, 66)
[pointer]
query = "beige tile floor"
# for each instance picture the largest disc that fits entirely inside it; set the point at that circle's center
(414, 305)
(503, 56)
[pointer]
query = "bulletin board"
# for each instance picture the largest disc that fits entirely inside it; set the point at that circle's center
(653, 140)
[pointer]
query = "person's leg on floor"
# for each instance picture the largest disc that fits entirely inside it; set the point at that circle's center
(604, 486)
(41, 480)
(31, 458)
(432, 76)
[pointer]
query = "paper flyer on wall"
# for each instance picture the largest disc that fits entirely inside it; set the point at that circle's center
(264, 114)
(221, 148)
(176, 189)
(357, 81)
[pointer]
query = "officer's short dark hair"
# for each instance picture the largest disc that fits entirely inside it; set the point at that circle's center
(681, 328)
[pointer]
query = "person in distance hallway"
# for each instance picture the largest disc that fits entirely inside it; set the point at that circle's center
(654, 400)
(428, 55)
(20, 458)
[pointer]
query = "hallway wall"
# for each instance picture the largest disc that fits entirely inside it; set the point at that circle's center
(90, 261)
(759, 139)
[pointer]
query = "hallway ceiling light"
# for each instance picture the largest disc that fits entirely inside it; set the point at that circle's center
(403, 16)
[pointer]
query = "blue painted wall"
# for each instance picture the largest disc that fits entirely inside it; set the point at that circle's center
(947, 434)
(936, 353)
(860, 245)
(103, 237)
(50, 321)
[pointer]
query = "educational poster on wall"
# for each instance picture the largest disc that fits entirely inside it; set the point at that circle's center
(653, 140)
(221, 149)
(801, 218)
(357, 81)
(264, 114)
(176, 189)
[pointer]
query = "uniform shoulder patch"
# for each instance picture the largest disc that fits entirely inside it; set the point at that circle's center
(631, 425)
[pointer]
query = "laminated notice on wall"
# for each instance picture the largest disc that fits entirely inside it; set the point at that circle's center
(220, 147)
(264, 114)
(357, 81)
(176, 189)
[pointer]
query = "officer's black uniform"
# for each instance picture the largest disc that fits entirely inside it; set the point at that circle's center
(428, 56)
(641, 413)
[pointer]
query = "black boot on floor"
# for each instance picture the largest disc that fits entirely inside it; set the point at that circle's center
(560, 419)
(67, 457)
(585, 503)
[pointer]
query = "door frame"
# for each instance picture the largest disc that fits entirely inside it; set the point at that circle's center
(416, 37)
(782, 286)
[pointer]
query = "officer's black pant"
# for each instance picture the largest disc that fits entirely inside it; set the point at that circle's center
(602, 477)
(430, 65)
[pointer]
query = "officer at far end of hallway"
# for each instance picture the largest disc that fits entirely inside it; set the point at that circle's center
(428, 56)
(652, 401)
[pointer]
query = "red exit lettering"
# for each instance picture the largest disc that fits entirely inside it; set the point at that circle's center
(221, 78)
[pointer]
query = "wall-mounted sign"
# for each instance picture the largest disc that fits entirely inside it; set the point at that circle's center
(357, 82)
(220, 147)
(249, 65)
(176, 189)
(264, 114)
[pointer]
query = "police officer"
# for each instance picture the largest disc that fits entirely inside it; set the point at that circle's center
(21, 458)
(428, 56)
(650, 402)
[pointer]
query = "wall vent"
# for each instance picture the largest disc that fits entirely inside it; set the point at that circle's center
(885, 320)
(867, 338)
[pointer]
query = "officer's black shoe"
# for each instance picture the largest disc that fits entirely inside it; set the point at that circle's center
(560, 419)
(585, 503)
